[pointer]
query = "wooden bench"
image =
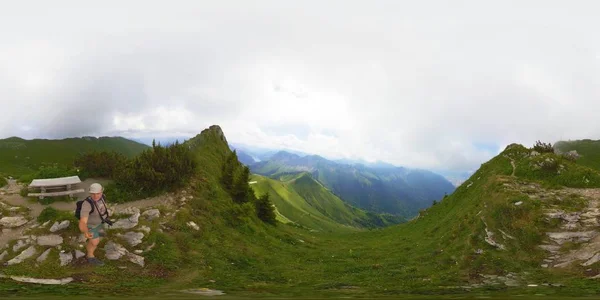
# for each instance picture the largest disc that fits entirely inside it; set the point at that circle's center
(59, 186)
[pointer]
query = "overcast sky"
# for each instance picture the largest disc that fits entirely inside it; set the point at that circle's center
(440, 85)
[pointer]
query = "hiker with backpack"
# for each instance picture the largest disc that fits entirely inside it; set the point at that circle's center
(92, 214)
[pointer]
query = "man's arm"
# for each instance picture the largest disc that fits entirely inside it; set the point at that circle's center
(86, 208)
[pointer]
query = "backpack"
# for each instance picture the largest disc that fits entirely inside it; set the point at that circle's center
(79, 204)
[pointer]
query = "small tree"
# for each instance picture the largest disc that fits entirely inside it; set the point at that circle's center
(240, 187)
(543, 147)
(265, 209)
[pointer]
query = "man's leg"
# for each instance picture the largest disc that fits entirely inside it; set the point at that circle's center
(91, 246)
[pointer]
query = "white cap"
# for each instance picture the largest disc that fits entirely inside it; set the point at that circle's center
(95, 188)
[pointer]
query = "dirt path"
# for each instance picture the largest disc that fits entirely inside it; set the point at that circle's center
(512, 163)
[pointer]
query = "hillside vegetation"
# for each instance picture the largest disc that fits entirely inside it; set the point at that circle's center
(304, 201)
(19, 157)
(393, 190)
(524, 224)
(588, 150)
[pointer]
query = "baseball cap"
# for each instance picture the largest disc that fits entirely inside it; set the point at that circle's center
(95, 188)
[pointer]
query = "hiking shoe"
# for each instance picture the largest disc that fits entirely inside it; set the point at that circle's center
(94, 261)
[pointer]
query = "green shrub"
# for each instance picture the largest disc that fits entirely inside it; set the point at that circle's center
(543, 147)
(156, 170)
(265, 209)
(3, 181)
(100, 164)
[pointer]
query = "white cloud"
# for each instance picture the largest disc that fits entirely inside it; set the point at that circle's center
(416, 84)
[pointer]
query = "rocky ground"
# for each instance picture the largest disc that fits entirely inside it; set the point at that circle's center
(22, 238)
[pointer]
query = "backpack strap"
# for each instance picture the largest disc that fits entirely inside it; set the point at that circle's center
(95, 204)
(91, 202)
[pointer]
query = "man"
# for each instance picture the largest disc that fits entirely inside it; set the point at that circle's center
(91, 221)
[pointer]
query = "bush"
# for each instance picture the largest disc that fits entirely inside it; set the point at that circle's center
(543, 147)
(3, 181)
(48, 214)
(100, 164)
(235, 177)
(156, 170)
(265, 209)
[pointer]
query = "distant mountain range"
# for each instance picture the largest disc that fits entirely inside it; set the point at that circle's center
(378, 187)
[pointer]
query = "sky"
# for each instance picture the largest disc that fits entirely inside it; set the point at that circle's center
(438, 85)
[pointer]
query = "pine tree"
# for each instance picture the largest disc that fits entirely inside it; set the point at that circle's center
(229, 171)
(265, 209)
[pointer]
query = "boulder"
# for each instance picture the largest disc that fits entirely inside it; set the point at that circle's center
(60, 226)
(27, 253)
(12, 222)
(44, 255)
(50, 240)
(151, 214)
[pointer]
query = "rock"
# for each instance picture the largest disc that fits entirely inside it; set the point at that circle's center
(569, 226)
(544, 266)
(45, 224)
(136, 259)
(590, 222)
(65, 258)
(550, 248)
(50, 240)
(81, 238)
(44, 256)
(563, 265)
(3, 255)
(150, 247)
(12, 222)
(577, 237)
(204, 292)
(42, 281)
(133, 238)
(114, 251)
(60, 226)
(144, 228)
(79, 254)
(506, 235)
(151, 214)
(571, 218)
(490, 240)
(132, 210)
(193, 225)
(29, 252)
(20, 244)
(138, 251)
(592, 260)
(6, 230)
(127, 223)
(519, 203)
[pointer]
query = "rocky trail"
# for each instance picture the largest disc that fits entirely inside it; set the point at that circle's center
(23, 238)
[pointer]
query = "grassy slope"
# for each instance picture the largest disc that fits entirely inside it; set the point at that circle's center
(304, 201)
(395, 190)
(19, 156)
(433, 254)
(588, 149)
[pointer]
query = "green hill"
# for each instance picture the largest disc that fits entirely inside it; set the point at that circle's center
(19, 156)
(588, 150)
(523, 224)
(393, 190)
(304, 201)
